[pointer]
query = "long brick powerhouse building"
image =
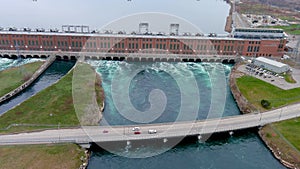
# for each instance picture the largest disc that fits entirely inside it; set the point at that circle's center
(242, 42)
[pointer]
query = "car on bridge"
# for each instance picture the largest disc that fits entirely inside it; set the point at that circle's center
(152, 131)
(136, 129)
(137, 132)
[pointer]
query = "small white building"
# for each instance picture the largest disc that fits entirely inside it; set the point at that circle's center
(271, 65)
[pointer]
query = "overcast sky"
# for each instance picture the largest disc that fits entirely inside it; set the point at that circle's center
(207, 15)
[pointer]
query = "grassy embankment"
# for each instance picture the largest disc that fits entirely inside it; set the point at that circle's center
(255, 90)
(284, 136)
(50, 108)
(64, 156)
(289, 78)
(14, 77)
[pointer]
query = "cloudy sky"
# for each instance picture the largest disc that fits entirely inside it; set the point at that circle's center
(207, 15)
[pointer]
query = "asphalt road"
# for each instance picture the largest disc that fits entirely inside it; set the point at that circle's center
(238, 21)
(168, 130)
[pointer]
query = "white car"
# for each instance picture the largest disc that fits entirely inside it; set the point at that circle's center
(135, 129)
(152, 131)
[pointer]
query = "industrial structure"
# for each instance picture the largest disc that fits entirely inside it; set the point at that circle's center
(271, 65)
(254, 42)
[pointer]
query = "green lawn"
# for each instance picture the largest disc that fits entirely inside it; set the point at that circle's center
(281, 141)
(52, 106)
(290, 129)
(292, 29)
(64, 156)
(14, 77)
(289, 78)
(256, 90)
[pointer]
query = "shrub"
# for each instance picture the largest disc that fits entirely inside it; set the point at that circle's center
(266, 104)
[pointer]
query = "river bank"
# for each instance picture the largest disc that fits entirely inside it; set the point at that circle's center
(28, 80)
(61, 156)
(40, 113)
(229, 19)
(282, 147)
(14, 77)
(244, 105)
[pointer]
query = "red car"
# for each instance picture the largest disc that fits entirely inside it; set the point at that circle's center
(137, 132)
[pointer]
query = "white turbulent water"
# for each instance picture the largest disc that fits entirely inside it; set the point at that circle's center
(188, 69)
(8, 63)
(166, 76)
(158, 66)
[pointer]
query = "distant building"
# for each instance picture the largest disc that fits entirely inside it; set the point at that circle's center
(271, 65)
(259, 33)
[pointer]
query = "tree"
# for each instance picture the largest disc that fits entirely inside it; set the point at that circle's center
(266, 104)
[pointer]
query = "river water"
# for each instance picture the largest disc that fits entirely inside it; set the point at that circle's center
(8, 63)
(244, 150)
(241, 150)
(173, 79)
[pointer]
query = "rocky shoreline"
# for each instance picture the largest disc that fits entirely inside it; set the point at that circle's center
(229, 21)
(100, 94)
(278, 154)
(243, 104)
(246, 107)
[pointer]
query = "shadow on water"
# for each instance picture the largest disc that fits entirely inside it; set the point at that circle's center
(242, 149)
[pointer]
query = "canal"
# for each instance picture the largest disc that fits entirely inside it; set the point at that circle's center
(56, 71)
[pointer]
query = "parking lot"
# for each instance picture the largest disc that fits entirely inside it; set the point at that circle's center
(271, 77)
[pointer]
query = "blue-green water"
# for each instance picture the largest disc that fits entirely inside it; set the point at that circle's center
(239, 151)
(244, 151)
(151, 76)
